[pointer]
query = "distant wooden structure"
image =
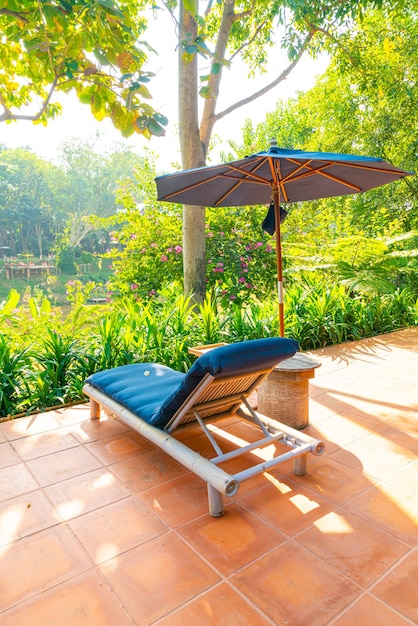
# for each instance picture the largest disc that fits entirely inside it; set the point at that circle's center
(27, 270)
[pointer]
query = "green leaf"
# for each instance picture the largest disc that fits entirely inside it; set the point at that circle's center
(205, 92)
(101, 56)
(141, 122)
(144, 92)
(189, 48)
(155, 128)
(125, 76)
(171, 5)
(161, 119)
(190, 6)
(110, 7)
(85, 95)
(215, 68)
(96, 103)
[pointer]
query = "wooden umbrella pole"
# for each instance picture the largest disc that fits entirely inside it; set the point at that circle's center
(276, 199)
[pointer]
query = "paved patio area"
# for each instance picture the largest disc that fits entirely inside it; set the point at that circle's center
(98, 527)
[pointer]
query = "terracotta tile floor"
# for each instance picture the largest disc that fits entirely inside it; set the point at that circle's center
(99, 527)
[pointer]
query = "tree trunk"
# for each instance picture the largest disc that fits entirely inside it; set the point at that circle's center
(194, 140)
(192, 155)
(38, 233)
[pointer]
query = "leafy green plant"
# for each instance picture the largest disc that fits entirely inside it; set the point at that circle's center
(63, 352)
(57, 361)
(14, 387)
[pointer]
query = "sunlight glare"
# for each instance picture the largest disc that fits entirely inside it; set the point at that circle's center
(156, 505)
(103, 481)
(11, 521)
(333, 524)
(276, 483)
(303, 503)
(70, 509)
(106, 551)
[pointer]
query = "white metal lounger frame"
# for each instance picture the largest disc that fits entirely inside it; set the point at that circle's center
(214, 399)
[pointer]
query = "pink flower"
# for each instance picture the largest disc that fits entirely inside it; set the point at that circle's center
(241, 279)
(134, 286)
(248, 285)
(143, 251)
(178, 249)
(153, 245)
(152, 292)
(169, 249)
(222, 234)
(232, 297)
(164, 258)
(268, 248)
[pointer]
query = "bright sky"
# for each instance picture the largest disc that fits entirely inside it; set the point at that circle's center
(77, 121)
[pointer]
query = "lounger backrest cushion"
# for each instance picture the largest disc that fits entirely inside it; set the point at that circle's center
(230, 360)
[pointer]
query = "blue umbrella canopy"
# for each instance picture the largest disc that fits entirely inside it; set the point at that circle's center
(277, 176)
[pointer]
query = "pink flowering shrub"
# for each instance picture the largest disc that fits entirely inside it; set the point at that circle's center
(241, 262)
(241, 257)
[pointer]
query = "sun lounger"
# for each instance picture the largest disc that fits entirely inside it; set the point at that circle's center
(156, 400)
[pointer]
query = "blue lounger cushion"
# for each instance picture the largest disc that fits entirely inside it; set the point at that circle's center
(155, 392)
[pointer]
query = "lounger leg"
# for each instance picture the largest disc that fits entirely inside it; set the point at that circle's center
(216, 507)
(94, 409)
(299, 465)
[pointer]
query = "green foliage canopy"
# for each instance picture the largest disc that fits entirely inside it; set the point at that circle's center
(91, 47)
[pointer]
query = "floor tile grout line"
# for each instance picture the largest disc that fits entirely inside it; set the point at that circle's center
(379, 600)
(223, 577)
(203, 593)
(48, 589)
(390, 569)
(24, 436)
(212, 566)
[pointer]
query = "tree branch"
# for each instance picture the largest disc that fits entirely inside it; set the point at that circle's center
(249, 42)
(16, 14)
(334, 39)
(282, 76)
(8, 115)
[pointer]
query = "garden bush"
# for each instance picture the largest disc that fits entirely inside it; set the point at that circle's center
(45, 357)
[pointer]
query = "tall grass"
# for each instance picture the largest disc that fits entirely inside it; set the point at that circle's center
(44, 359)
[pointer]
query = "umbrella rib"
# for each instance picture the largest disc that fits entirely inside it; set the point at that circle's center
(340, 164)
(248, 177)
(321, 172)
(250, 174)
(278, 183)
(232, 189)
(292, 177)
(189, 187)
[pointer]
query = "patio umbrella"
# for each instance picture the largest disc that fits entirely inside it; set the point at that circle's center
(277, 176)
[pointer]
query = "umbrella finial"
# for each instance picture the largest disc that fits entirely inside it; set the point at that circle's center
(273, 142)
